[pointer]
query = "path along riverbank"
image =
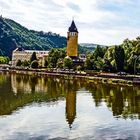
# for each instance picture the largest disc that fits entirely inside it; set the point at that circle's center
(95, 77)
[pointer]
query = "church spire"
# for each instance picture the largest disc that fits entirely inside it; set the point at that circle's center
(73, 27)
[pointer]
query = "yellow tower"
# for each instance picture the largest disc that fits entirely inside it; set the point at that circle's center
(72, 41)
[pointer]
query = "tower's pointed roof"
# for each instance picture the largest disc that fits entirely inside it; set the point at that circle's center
(73, 27)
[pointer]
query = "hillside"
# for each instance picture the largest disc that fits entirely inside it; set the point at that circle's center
(13, 34)
(91, 45)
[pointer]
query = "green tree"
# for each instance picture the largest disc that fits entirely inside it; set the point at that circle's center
(90, 62)
(25, 63)
(107, 67)
(50, 65)
(68, 63)
(119, 58)
(34, 64)
(45, 63)
(4, 60)
(79, 68)
(60, 63)
(109, 55)
(56, 54)
(99, 63)
(99, 52)
(19, 63)
(33, 57)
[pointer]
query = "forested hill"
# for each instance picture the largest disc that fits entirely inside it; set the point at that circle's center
(91, 45)
(13, 34)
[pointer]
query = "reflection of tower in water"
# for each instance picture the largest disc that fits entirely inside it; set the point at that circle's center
(71, 107)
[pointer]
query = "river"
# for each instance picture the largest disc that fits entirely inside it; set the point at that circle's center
(48, 107)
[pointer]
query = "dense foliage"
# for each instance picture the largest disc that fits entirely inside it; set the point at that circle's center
(68, 63)
(55, 56)
(4, 60)
(116, 58)
(119, 58)
(19, 63)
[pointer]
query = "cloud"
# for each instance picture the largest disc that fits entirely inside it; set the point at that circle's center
(73, 6)
(99, 21)
(4, 5)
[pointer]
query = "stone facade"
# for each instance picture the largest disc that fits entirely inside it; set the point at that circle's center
(21, 54)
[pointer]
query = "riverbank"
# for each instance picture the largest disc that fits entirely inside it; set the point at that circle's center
(96, 77)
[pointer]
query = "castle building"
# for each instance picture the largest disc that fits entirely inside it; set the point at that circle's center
(72, 41)
(21, 54)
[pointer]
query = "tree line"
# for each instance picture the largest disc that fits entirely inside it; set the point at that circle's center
(116, 58)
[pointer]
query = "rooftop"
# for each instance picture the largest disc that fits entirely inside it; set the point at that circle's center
(73, 27)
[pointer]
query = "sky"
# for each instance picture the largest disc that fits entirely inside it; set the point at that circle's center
(104, 22)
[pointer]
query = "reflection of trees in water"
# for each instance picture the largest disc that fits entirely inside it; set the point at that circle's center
(117, 102)
(5, 79)
(96, 93)
(27, 89)
(18, 78)
(33, 81)
(124, 101)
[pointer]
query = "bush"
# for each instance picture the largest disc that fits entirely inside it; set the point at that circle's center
(34, 64)
(68, 63)
(25, 63)
(78, 68)
(33, 57)
(4, 60)
(19, 63)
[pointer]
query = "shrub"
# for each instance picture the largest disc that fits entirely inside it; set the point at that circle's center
(34, 64)
(19, 63)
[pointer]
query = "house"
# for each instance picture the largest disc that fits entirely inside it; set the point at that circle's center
(21, 54)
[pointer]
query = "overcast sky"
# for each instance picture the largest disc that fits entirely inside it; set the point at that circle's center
(104, 22)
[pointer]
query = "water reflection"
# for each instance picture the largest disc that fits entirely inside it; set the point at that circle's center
(28, 84)
(124, 101)
(70, 107)
(19, 90)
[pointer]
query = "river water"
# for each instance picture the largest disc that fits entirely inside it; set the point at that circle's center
(42, 108)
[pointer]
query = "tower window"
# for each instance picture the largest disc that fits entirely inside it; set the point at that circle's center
(73, 34)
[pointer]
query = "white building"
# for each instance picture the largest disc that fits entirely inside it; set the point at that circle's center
(21, 54)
